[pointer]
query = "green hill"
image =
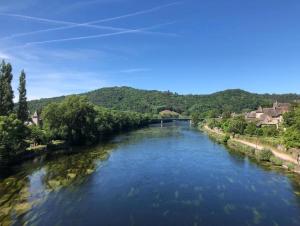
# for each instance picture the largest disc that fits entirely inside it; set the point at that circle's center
(152, 101)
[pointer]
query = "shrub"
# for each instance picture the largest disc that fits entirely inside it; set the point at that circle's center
(236, 125)
(37, 135)
(251, 129)
(270, 131)
(226, 139)
(264, 155)
(12, 138)
(290, 166)
(276, 161)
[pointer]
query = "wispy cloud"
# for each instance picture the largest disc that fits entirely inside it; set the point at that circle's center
(135, 70)
(90, 36)
(4, 56)
(67, 77)
(74, 82)
(61, 70)
(90, 24)
(52, 21)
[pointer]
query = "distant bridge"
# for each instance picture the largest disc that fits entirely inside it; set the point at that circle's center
(165, 120)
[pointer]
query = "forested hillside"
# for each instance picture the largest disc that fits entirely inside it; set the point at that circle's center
(145, 101)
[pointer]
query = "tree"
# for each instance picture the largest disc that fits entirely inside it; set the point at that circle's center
(22, 108)
(12, 138)
(251, 129)
(37, 135)
(237, 125)
(292, 138)
(270, 131)
(72, 119)
(6, 94)
(292, 122)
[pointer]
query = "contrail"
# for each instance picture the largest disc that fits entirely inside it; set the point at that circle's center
(89, 37)
(96, 36)
(87, 24)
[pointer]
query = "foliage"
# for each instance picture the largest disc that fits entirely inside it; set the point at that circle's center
(168, 114)
(13, 133)
(264, 155)
(6, 91)
(292, 122)
(196, 118)
(144, 101)
(226, 139)
(251, 129)
(276, 161)
(214, 123)
(236, 125)
(270, 131)
(72, 120)
(37, 135)
(290, 166)
(22, 106)
(292, 138)
(78, 121)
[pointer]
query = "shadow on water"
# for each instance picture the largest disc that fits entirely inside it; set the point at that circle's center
(173, 175)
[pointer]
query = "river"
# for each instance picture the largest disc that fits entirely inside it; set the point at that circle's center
(155, 176)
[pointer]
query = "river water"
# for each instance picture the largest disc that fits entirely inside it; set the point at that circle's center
(173, 175)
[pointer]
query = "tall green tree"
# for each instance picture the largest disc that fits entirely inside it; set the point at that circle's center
(22, 108)
(72, 119)
(292, 124)
(1, 87)
(13, 133)
(7, 94)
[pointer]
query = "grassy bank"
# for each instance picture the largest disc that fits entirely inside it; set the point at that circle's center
(264, 154)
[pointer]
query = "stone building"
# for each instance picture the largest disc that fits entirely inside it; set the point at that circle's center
(269, 116)
(36, 118)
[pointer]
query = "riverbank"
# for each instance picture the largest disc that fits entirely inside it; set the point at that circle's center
(56, 148)
(285, 160)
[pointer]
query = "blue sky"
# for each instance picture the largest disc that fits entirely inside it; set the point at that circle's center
(189, 46)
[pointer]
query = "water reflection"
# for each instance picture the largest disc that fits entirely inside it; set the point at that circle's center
(155, 176)
(21, 192)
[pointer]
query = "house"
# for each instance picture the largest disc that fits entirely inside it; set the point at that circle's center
(269, 116)
(36, 118)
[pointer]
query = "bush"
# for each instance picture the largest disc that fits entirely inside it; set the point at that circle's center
(276, 161)
(292, 138)
(213, 123)
(226, 139)
(290, 166)
(37, 135)
(264, 155)
(251, 129)
(236, 125)
(12, 138)
(270, 131)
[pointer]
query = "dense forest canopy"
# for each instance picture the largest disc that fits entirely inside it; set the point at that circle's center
(152, 101)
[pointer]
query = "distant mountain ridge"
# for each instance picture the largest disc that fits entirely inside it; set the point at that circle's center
(153, 101)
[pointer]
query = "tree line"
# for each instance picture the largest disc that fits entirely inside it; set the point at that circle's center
(288, 132)
(74, 120)
(152, 101)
